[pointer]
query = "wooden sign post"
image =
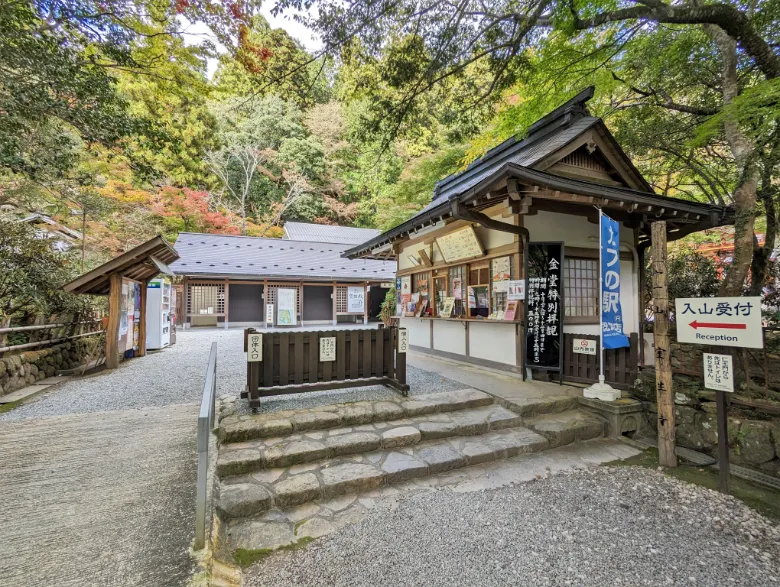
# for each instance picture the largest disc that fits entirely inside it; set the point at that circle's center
(663, 359)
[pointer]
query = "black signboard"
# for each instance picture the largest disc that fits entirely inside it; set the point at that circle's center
(544, 307)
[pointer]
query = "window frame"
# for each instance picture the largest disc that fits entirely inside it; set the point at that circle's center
(568, 291)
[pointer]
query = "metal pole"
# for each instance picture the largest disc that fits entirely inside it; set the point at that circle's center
(601, 298)
(723, 441)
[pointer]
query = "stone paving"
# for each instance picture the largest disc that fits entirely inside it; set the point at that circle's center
(273, 466)
(280, 527)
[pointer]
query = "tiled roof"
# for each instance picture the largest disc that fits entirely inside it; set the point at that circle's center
(324, 233)
(244, 256)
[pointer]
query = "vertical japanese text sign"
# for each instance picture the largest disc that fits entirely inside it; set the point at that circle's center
(403, 340)
(611, 313)
(254, 353)
(544, 306)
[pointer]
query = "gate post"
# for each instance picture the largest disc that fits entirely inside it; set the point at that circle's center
(401, 346)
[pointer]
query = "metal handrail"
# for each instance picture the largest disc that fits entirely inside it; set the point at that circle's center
(205, 425)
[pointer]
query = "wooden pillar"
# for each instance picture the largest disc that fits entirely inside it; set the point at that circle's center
(142, 320)
(663, 362)
(334, 304)
(114, 310)
(227, 299)
(519, 269)
(365, 302)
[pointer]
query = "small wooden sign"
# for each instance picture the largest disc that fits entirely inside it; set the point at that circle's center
(327, 349)
(403, 340)
(254, 345)
(269, 313)
(584, 346)
(460, 244)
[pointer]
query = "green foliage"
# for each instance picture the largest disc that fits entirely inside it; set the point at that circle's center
(691, 275)
(33, 274)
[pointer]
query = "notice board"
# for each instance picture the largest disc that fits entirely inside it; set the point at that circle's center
(544, 307)
(460, 244)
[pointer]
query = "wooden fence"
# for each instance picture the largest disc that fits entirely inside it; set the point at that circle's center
(291, 362)
(620, 365)
(41, 335)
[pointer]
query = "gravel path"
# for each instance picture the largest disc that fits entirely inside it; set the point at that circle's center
(175, 376)
(607, 526)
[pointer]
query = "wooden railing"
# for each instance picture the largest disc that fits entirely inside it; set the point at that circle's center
(48, 334)
(291, 362)
(620, 365)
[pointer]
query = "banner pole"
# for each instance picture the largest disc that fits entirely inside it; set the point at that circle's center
(601, 297)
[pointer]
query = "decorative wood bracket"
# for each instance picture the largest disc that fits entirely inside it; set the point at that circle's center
(460, 212)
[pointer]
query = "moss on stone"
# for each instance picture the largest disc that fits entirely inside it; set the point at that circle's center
(245, 557)
(9, 406)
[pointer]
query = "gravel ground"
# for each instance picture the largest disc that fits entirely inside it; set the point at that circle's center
(606, 526)
(175, 376)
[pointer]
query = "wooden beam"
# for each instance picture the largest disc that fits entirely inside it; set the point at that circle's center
(112, 330)
(663, 358)
(426, 260)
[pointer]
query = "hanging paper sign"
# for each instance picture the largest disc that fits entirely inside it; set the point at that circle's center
(449, 305)
(544, 307)
(327, 349)
(254, 353)
(611, 313)
(718, 373)
(269, 313)
(501, 269)
(356, 300)
(501, 286)
(516, 289)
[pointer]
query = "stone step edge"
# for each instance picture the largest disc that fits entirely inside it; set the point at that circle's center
(248, 499)
(252, 459)
(538, 407)
(575, 426)
(354, 414)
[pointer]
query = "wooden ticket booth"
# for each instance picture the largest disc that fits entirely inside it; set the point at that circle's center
(124, 280)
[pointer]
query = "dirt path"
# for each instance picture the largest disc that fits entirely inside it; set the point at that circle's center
(98, 499)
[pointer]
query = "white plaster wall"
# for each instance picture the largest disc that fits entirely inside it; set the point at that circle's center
(494, 342)
(449, 337)
(491, 239)
(419, 331)
(576, 231)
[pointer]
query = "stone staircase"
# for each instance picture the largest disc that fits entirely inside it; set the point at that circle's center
(278, 461)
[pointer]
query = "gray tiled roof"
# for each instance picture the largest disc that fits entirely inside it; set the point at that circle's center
(324, 233)
(244, 256)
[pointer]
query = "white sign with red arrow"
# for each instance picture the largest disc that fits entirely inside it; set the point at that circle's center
(719, 321)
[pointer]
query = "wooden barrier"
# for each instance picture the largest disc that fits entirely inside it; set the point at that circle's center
(620, 365)
(291, 362)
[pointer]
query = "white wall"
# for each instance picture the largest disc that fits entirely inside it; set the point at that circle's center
(494, 342)
(576, 231)
(449, 336)
(419, 331)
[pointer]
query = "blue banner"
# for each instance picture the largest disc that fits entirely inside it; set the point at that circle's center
(611, 314)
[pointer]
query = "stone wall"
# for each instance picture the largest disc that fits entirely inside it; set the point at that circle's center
(18, 371)
(754, 440)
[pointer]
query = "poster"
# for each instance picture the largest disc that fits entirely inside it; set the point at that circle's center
(286, 300)
(544, 307)
(501, 286)
(718, 372)
(516, 289)
(460, 244)
(501, 269)
(457, 290)
(449, 306)
(356, 300)
(472, 298)
(406, 289)
(611, 313)
(327, 349)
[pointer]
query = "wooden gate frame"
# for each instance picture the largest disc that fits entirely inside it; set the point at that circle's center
(283, 373)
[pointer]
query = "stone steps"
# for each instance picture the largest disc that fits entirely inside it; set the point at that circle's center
(249, 495)
(306, 447)
(566, 427)
(241, 428)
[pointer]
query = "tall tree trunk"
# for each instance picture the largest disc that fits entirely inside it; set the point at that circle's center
(744, 152)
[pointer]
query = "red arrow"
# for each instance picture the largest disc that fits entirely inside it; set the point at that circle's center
(695, 324)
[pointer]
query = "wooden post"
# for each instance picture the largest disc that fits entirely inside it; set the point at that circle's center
(227, 300)
(663, 362)
(365, 302)
(112, 331)
(335, 320)
(723, 441)
(142, 320)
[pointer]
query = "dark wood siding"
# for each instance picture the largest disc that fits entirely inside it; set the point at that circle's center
(317, 303)
(245, 303)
